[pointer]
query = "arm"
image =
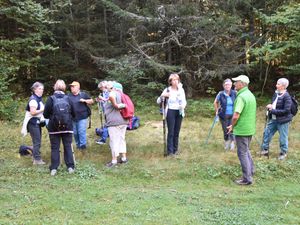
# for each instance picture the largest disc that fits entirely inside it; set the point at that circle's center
(48, 108)
(33, 108)
(113, 101)
(287, 104)
(216, 106)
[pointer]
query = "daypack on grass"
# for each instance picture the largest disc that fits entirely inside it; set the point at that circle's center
(294, 107)
(128, 111)
(134, 123)
(61, 112)
(25, 150)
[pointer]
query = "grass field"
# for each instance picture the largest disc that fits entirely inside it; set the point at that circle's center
(194, 188)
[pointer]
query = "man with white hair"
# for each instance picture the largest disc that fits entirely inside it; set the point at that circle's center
(280, 116)
(243, 125)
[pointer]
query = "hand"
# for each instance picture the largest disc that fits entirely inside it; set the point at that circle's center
(166, 95)
(82, 100)
(229, 129)
(269, 106)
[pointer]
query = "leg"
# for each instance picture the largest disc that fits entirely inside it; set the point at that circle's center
(178, 120)
(283, 130)
(55, 156)
(245, 157)
(171, 125)
(113, 142)
(269, 132)
(75, 132)
(224, 128)
(68, 153)
(35, 133)
(82, 132)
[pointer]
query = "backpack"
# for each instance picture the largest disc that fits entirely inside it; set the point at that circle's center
(128, 111)
(25, 150)
(134, 123)
(294, 107)
(61, 113)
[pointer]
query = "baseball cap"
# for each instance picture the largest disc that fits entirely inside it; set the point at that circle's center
(242, 78)
(75, 83)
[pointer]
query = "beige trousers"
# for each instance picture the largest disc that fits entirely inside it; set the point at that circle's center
(117, 140)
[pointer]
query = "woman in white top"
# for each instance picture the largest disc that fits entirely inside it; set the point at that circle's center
(176, 103)
(34, 119)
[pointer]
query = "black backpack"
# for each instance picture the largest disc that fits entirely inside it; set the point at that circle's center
(294, 107)
(61, 113)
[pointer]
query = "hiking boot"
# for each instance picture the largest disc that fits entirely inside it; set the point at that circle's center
(71, 170)
(282, 156)
(38, 162)
(264, 152)
(242, 182)
(53, 172)
(111, 165)
(100, 142)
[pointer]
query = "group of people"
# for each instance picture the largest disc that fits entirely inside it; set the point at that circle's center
(66, 115)
(236, 109)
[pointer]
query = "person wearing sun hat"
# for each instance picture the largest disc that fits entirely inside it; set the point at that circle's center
(80, 101)
(244, 126)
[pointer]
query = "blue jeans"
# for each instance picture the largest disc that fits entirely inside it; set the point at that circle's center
(79, 129)
(271, 129)
(174, 120)
(104, 135)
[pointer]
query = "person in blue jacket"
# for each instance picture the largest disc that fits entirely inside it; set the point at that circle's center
(224, 104)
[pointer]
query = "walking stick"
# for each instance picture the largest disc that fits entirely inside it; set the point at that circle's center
(164, 126)
(100, 114)
(266, 122)
(216, 119)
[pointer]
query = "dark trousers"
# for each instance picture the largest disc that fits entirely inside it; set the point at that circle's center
(174, 120)
(225, 123)
(243, 151)
(36, 136)
(55, 152)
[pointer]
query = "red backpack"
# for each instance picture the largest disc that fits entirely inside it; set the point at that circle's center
(128, 111)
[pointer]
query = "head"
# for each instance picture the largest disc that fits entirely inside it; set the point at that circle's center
(174, 80)
(75, 87)
(102, 85)
(60, 85)
(227, 84)
(109, 85)
(117, 86)
(282, 84)
(38, 89)
(240, 82)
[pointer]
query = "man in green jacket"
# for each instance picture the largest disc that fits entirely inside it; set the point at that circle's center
(243, 125)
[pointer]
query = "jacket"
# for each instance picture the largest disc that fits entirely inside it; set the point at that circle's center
(283, 108)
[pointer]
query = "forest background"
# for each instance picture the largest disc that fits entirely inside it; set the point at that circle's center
(140, 42)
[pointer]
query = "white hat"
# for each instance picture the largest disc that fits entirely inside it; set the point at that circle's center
(242, 78)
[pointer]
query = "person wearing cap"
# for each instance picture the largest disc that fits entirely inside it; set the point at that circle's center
(223, 105)
(174, 110)
(280, 116)
(117, 126)
(244, 126)
(80, 101)
(33, 121)
(55, 134)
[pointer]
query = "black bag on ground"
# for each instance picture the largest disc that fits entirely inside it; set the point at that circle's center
(61, 112)
(25, 150)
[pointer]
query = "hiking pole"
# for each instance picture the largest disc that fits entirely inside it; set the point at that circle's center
(164, 126)
(266, 122)
(216, 119)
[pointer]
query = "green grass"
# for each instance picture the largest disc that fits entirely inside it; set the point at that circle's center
(194, 188)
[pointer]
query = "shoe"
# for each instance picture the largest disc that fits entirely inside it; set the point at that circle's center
(123, 161)
(100, 142)
(232, 145)
(53, 172)
(282, 156)
(111, 165)
(71, 170)
(242, 182)
(38, 162)
(264, 152)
